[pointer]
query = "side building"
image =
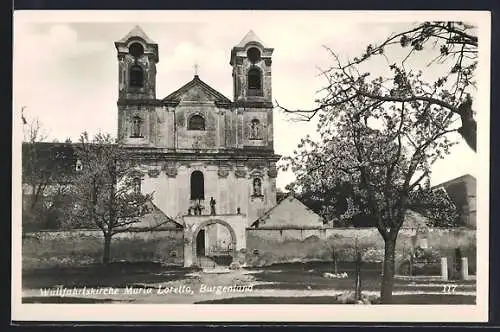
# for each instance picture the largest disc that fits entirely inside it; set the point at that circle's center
(462, 191)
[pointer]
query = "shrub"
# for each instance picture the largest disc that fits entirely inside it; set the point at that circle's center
(234, 266)
(348, 297)
(373, 255)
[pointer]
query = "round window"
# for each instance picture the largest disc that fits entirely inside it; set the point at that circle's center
(136, 50)
(253, 55)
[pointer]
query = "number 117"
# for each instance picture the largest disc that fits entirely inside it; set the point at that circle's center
(449, 288)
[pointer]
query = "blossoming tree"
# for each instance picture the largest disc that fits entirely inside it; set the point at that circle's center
(383, 150)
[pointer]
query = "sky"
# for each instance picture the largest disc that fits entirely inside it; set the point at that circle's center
(66, 69)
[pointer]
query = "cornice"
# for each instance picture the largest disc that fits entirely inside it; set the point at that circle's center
(173, 103)
(139, 102)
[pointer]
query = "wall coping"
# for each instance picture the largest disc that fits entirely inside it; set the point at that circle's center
(287, 228)
(131, 230)
(214, 216)
(426, 229)
(141, 230)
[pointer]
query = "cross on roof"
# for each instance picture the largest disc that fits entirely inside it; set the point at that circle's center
(196, 69)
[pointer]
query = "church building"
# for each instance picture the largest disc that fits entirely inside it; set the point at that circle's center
(208, 159)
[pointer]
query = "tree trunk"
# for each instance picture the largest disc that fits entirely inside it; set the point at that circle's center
(334, 260)
(468, 131)
(107, 249)
(357, 292)
(388, 277)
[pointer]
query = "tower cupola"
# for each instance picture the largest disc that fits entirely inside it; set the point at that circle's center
(251, 62)
(137, 59)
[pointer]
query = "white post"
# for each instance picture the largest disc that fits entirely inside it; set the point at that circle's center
(444, 268)
(464, 275)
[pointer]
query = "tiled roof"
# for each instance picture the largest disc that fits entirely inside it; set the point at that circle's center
(305, 216)
(459, 189)
(459, 179)
(156, 219)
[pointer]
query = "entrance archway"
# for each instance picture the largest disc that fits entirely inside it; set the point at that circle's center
(219, 256)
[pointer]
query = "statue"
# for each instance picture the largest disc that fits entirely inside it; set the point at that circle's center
(195, 209)
(257, 187)
(255, 129)
(212, 206)
(136, 126)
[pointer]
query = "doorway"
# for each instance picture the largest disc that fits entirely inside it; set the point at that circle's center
(214, 246)
(200, 243)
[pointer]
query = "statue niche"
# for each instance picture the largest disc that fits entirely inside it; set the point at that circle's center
(255, 130)
(136, 130)
(257, 187)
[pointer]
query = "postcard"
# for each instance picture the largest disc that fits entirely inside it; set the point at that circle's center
(251, 166)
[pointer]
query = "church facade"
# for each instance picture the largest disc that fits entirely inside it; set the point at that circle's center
(208, 160)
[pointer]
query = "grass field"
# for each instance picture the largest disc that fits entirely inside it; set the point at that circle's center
(310, 276)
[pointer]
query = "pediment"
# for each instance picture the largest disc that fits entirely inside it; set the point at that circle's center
(196, 90)
(196, 93)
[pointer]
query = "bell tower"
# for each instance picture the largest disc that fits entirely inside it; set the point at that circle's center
(137, 59)
(251, 62)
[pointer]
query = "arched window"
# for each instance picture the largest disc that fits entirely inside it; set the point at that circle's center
(136, 76)
(197, 185)
(136, 126)
(255, 129)
(137, 185)
(254, 81)
(196, 122)
(257, 187)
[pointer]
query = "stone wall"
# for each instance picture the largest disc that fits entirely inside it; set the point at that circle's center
(276, 245)
(263, 246)
(80, 247)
